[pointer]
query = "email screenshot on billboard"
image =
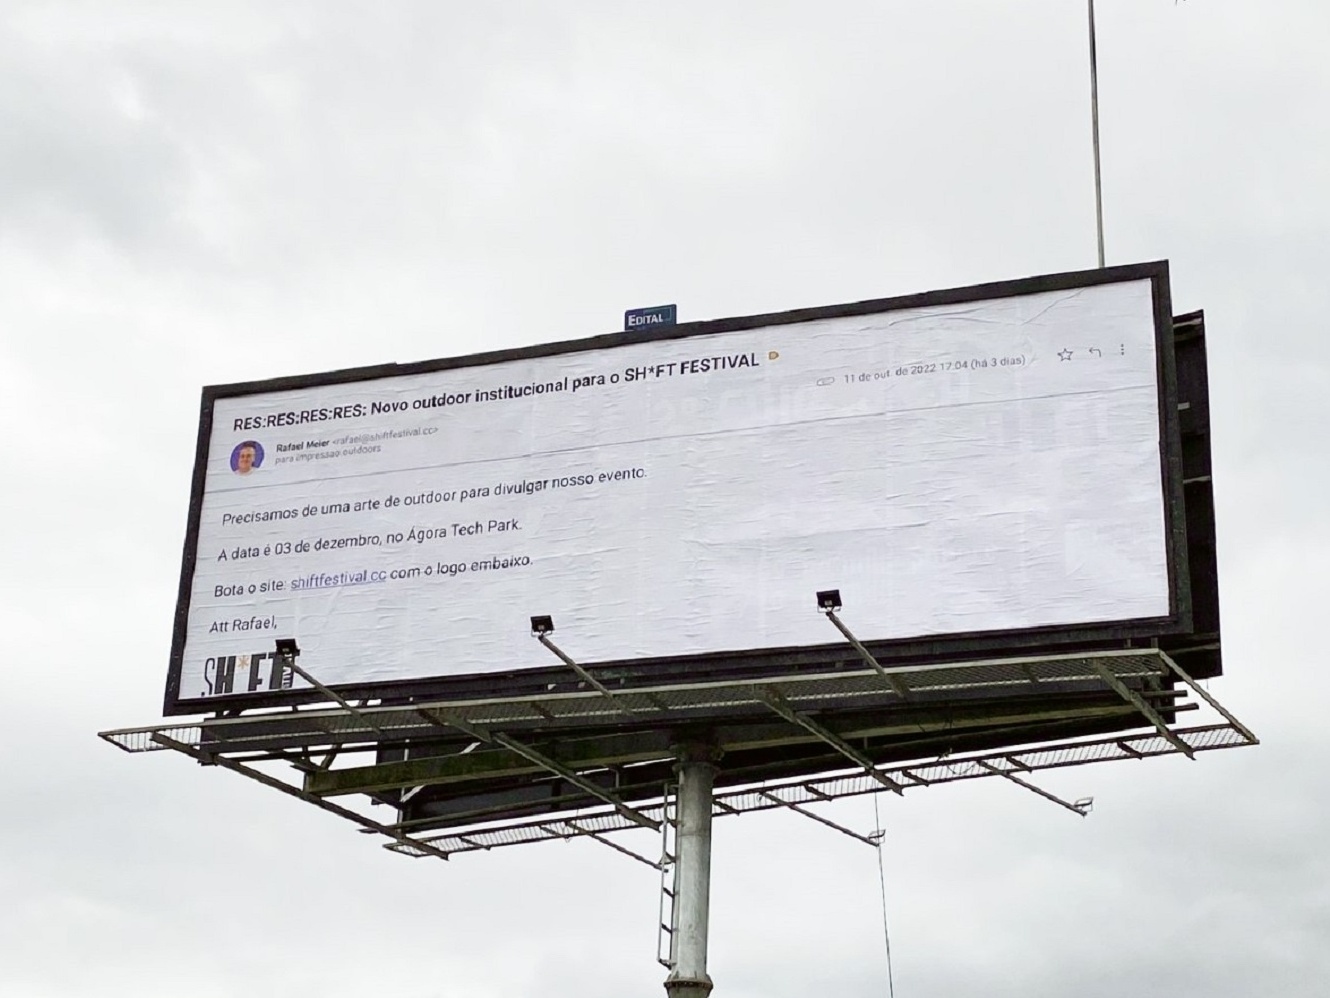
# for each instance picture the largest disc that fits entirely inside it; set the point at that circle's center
(965, 467)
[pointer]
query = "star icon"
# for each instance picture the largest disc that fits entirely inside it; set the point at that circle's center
(1064, 354)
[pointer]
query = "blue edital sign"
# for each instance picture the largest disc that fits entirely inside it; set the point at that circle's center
(646, 318)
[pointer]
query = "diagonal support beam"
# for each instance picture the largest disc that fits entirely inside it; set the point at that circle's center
(587, 833)
(1082, 811)
(258, 776)
(489, 761)
(544, 762)
(866, 839)
(867, 655)
(1204, 694)
(1151, 715)
(772, 698)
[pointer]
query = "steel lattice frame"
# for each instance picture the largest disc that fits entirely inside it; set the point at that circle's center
(311, 741)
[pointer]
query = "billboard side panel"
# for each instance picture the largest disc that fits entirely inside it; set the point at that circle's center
(1171, 452)
(1198, 649)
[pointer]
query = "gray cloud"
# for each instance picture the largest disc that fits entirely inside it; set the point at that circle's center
(194, 195)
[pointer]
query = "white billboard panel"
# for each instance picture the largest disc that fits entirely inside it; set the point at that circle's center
(980, 466)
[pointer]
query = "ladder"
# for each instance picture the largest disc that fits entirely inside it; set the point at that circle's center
(666, 920)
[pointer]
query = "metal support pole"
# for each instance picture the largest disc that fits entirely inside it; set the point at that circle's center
(582, 674)
(290, 662)
(692, 873)
(777, 703)
(1094, 128)
(1081, 807)
(866, 839)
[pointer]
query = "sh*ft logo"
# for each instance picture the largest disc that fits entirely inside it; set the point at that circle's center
(260, 671)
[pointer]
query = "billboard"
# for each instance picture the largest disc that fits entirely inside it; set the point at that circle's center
(997, 460)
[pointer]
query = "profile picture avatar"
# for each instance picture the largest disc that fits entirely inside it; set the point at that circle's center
(247, 456)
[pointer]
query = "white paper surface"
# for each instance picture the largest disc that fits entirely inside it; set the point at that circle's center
(990, 465)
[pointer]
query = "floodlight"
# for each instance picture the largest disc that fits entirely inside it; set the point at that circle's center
(287, 648)
(828, 600)
(542, 625)
(1085, 805)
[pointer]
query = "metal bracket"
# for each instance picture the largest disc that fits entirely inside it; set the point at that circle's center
(874, 840)
(781, 706)
(445, 718)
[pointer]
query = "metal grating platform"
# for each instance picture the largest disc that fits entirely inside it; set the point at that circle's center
(837, 785)
(322, 727)
(281, 749)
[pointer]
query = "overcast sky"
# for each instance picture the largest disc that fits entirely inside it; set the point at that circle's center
(201, 193)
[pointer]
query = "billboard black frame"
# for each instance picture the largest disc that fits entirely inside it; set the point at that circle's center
(832, 656)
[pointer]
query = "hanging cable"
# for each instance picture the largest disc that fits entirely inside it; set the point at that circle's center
(882, 883)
